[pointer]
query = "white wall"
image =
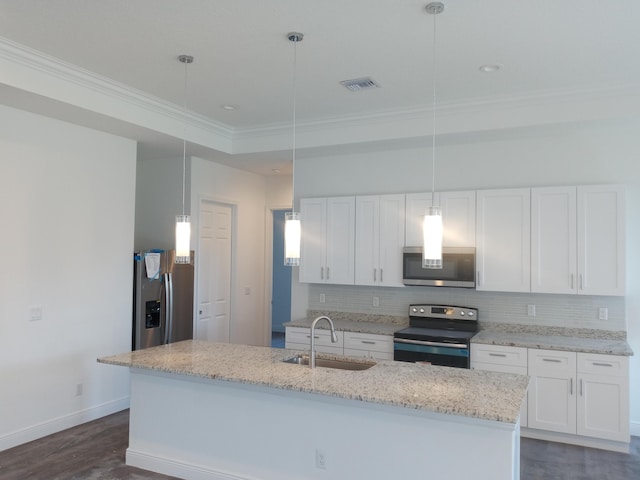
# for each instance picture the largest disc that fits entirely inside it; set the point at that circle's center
(66, 203)
(586, 154)
(247, 193)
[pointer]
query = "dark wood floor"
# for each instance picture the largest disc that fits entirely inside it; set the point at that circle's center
(95, 451)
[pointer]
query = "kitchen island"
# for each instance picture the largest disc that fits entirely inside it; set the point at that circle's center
(219, 411)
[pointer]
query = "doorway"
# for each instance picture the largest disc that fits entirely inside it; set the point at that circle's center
(280, 281)
(214, 271)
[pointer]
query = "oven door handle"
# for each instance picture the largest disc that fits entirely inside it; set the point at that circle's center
(430, 344)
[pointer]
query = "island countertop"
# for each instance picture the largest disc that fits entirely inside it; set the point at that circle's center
(455, 391)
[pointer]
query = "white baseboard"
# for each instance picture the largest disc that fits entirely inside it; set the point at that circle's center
(176, 468)
(62, 423)
(634, 428)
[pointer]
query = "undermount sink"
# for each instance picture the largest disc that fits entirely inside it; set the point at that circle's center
(332, 363)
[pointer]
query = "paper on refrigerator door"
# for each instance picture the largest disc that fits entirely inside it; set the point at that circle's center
(152, 263)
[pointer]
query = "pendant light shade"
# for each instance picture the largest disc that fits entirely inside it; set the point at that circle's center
(292, 227)
(183, 239)
(432, 227)
(292, 233)
(183, 222)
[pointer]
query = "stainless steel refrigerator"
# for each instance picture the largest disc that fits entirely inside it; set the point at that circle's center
(162, 299)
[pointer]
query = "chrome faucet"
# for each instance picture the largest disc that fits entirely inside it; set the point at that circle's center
(334, 338)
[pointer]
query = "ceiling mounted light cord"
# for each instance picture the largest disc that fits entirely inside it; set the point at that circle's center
(183, 222)
(432, 226)
(292, 227)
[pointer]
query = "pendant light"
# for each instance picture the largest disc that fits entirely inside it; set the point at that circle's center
(292, 229)
(432, 227)
(183, 222)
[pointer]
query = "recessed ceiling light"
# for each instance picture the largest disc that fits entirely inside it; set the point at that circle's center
(489, 68)
(229, 107)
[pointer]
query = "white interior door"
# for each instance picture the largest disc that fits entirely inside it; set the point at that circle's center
(214, 272)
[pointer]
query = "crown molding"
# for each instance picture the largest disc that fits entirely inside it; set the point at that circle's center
(30, 65)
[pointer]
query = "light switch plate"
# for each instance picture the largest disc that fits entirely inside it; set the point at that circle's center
(603, 314)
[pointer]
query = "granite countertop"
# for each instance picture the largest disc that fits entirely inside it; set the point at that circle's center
(555, 338)
(455, 391)
(354, 322)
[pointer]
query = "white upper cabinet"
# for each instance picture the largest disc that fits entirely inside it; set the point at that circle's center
(458, 217)
(601, 240)
(379, 240)
(503, 238)
(553, 240)
(328, 240)
(577, 242)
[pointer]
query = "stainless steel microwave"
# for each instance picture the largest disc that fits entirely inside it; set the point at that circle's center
(458, 268)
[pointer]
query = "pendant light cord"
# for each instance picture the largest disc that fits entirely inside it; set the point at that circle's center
(184, 139)
(293, 147)
(433, 137)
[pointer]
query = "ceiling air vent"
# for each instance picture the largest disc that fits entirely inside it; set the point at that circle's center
(358, 84)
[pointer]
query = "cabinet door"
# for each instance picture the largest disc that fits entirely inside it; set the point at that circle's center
(340, 240)
(503, 239)
(367, 251)
(458, 217)
(552, 391)
(603, 396)
(601, 244)
(313, 221)
(553, 240)
(391, 227)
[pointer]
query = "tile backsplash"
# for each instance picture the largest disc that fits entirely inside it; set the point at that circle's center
(573, 311)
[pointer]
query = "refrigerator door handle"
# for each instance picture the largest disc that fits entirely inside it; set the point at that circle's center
(169, 307)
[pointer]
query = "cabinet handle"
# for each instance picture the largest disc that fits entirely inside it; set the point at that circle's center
(600, 364)
(327, 273)
(571, 386)
(381, 277)
(497, 355)
(368, 342)
(572, 279)
(375, 278)
(581, 283)
(315, 336)
(554, 360)
(321, 273)
(581, 388)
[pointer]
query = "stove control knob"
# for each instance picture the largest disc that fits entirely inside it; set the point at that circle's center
(414, 309)
(422, 310)
(471, 314)
(462, 313)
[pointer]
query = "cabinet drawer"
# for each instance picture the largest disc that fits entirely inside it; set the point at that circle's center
(302, 335)
(496, 367)
(499, 355)
(356, 352)
(612, 365)
(369, 342)
(555, 361)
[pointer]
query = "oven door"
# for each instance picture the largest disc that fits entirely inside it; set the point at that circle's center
(435, 353)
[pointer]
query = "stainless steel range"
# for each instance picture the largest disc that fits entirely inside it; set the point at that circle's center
(437, 334)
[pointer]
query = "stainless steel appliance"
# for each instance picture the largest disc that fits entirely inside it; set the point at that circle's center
(437, 334)
(162, 299)
(458, 268)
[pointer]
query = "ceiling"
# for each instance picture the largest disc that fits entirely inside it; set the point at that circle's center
(243, 58)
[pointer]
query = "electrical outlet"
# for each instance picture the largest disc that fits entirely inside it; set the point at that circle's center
(376, 301)
(531, 310)
(323, 298)
(603, 314)
(321, 460)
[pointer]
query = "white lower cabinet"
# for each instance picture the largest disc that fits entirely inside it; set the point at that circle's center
(552, 392)
(368, 345)
(603, 396)
(579, 393)
(299, 338)
(498, 358)
(351, 344)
